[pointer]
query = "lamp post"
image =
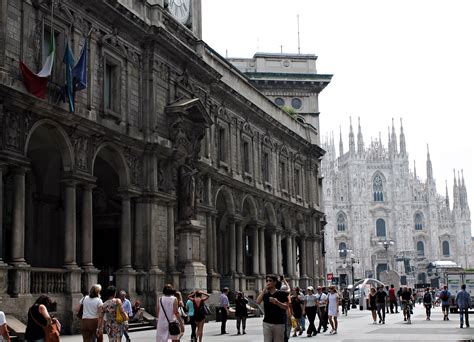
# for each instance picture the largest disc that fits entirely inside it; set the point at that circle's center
(353, 261)
(386, 244)
(343, 253)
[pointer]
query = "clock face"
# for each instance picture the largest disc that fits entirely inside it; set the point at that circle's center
(181, 10)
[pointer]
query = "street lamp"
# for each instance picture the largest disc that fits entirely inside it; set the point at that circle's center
(353, 261)
(343, 253)
(386, 244)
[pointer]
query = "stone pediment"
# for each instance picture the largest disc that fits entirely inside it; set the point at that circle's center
(192, 109)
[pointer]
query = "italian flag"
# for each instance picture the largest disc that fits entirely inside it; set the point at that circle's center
(36, 84)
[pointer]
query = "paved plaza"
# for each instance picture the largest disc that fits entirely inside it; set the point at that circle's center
(356, 327)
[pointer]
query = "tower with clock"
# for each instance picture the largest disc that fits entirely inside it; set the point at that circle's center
(187, 13)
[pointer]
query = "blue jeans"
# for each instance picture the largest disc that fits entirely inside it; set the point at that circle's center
(462, 313)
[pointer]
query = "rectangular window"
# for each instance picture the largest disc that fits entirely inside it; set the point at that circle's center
(297, 182)
(246, 158)
(282, 175)
(111, 87)
(266, 167)
(221, 144)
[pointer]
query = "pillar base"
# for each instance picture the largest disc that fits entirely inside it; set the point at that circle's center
(3, 277)
(304, 282)
(73, 279)
(213, 282)
(90, 277)
(20, 282)
(174, 275)
(193, 277)
(126, 280)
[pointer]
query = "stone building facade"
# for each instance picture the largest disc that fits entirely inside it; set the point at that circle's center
(383, 216)
(167, 171)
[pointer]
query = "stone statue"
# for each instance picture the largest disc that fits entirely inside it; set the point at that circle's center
(186, 191)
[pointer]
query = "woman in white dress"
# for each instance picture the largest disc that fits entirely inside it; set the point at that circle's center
(333, 308)
(169, 304)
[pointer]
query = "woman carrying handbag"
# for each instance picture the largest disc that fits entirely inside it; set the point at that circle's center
(170, 325)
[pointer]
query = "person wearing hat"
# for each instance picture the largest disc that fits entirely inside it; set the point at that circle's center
(275, 303)
(310, 308)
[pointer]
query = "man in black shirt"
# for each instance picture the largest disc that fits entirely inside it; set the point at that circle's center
(275, 303)
(380, 303)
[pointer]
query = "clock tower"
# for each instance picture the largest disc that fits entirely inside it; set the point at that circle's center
(187, 13)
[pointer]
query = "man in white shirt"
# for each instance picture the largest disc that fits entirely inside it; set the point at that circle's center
(322, 312)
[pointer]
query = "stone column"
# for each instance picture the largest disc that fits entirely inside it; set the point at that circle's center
(232, 252)
(303, 257)
(70, 224)
(18, 229)
(262, 259)
(295, 256)
(240, 247)
(87, 225)
(3, 266)
(126, 275)
(255, 252)
(125, 234)
(274, 253)
(171, 246)
(213, 281)
(1, 216)
(289, 256)
(279, 255)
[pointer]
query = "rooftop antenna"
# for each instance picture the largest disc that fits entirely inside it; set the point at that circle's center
(298, 21)
(281, 48)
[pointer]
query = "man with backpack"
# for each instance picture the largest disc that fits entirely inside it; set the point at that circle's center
(445, 295)
(427, 302)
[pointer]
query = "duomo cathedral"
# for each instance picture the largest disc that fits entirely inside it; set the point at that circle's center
(382, 216)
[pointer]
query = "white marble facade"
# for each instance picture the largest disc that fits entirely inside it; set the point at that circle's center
(371, 196)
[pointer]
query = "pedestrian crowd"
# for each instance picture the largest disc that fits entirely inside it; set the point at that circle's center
(285, 311)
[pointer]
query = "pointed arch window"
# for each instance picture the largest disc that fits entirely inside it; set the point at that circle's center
(341, 222)
(420, 248)
(418, 221)
(445, 248)
(378, 188)
(380, 228)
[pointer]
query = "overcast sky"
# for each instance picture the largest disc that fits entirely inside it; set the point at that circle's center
(390, 59)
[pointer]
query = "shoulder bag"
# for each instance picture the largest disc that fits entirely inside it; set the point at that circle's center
(51, 330)
(119, 316)
(173, 327)
(80, 312)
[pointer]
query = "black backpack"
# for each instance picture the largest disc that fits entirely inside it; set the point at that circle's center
(427, 298)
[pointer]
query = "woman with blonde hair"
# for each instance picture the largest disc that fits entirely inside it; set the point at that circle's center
(91, 308)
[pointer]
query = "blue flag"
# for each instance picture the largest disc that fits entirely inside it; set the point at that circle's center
(68, 88)
(79, 72)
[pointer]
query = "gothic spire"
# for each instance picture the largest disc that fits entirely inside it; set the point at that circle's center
(455, 191)
(341, 146)
(394, 139)
(360, 140)
(351, 138)
(414, 169)
(403, 147)
(429, 167)
(447, 195)
(390, 148)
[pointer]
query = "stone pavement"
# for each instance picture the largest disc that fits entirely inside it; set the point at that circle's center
(356, 327)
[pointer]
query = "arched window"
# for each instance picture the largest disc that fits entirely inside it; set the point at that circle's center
(342, 249)
(418, 221)
(380, 227)
(378, 188)
(420, 248)
(445, 248)
(341, 222)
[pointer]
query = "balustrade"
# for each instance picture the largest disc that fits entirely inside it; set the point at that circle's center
(48, 280)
